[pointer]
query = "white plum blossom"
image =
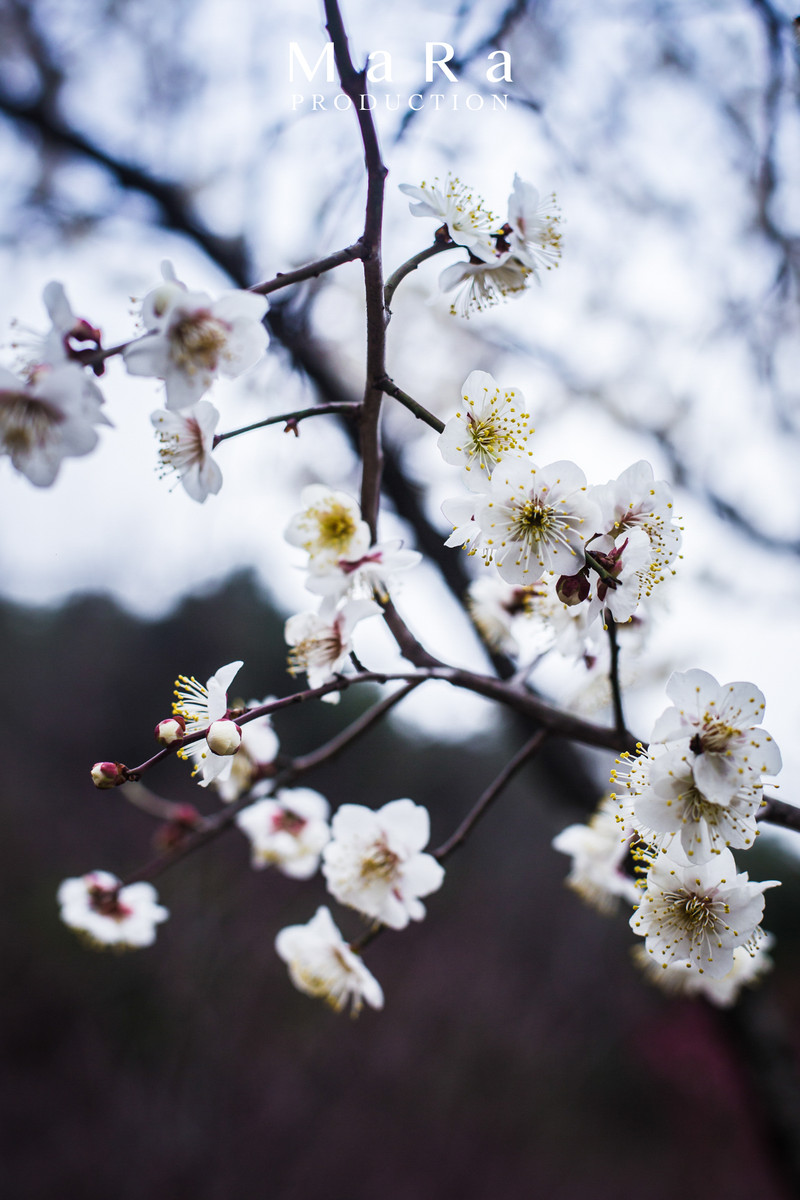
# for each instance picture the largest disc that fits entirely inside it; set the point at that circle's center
(722, 722)
(598, 850)
(191, 338)
(187, 440)
(375, 862)
(671, 802)
(48, 417)
(109, 914)
(288, 830)
(322, 965)
(750, 962)
(533, 233)
(637, 501)
(451, 203)
(483, 282)
(491, 426)
(200, 706)
(696, 914)
(537, 519)
(321, 646)
(329, 526)
(373, 574)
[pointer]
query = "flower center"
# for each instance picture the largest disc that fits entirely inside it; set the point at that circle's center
(26, 421)
(107, 904)
(288, 822)
(489, 441)
(318, 650)
(335, 526)
(715, 737)
(532, 523)
(694, 913)
(380, 863)
(197, 340)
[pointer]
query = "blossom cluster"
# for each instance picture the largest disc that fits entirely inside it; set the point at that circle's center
(352, 576)
(503, 258)
(688, 800)
(571, 554)
(51, 413)
(372, 861)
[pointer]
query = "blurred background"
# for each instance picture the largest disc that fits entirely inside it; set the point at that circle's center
(520, 1051)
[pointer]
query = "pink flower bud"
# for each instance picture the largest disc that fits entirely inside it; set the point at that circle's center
(224, 737)
(108, 774)
(572, 589)
(170, 730)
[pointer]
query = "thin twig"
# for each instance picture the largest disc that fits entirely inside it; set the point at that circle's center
(311, 271)
(420, 412)
(397, 277)
(291, 419)
(485, 802)
(461, 834)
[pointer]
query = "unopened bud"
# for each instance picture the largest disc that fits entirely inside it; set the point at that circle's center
(572, 589)
(224, 737)
(108, 774)
(170, 730)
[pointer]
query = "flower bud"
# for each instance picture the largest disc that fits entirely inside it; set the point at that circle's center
(170, 730)
(108, 774)
(572, 589)
(224, 737)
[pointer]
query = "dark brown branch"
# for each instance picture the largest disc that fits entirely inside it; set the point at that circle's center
(354, 85)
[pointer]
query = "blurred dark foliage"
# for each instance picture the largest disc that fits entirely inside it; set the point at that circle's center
(519, 1053)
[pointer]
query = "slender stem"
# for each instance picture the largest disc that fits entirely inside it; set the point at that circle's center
(291, 419)
(311, 271)
(395, 279)
(420, 412)
(613, 674)
(485, 802)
